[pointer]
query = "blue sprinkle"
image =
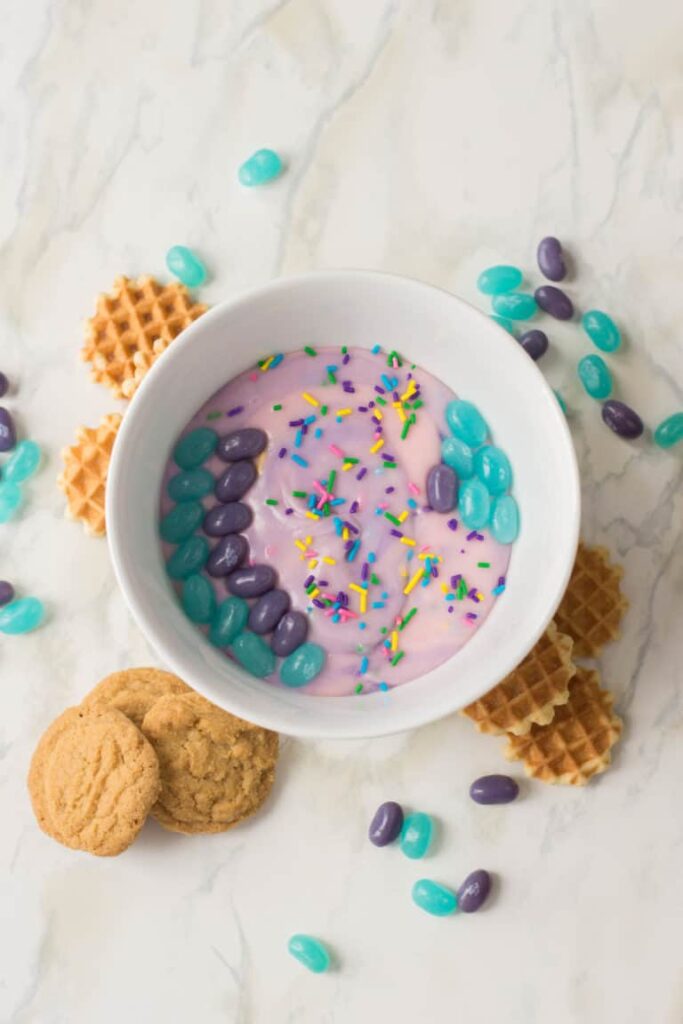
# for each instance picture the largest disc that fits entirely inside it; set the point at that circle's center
(338, 501)
(299, 461)
(298, 438)
(377, 604)
(336, 617)
(362, 625)
(375, 349)
(499, 589)
(309, 420)
(387, 383)
(387, 643)
(383, 687)
(411, 554)
(412, 503)
(318, 432)
(372, 557)
(363, 667)
(331, 369)
(338, 526)
(353, 552)
(339, 419)
(276, 362)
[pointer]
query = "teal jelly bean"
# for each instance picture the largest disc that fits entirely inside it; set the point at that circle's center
(474, 504)
(195, 447)
(493, 468)
(254, 654)
(188, 558)
(670, 431)
(499, 279)
(11, 499)
(466, 422)
(561, 402)
(310, 952)
(181, 522)
(595, 376)
(22, 463)
(186, 266)
(190, 485)
(416, 835)
(515, 306)
(302, 665)
(21, 616)
(503, 322)
(229, 620)
(198, 599)
(505, 519)
(602, 330)
(261, 167)
(459, 456)
(434, 898)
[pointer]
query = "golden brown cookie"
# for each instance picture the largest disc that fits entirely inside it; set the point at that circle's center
(577, 744)
(593, 605)
(134, 691)
(84, 476)
(215, 768)
(93, 780)
(531, 692)
(133, 325)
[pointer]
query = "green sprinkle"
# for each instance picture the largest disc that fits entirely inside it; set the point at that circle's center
(406, 427)
(350, 461)
(397, 657)
(394, 355)
(310, 351)
(323, 410)
(392, 519)
(213, 415)
(331, 478)
(389, 465)
(383, 629)
(418, 404)
(344, 350)
(272, 501)
(359, 688)
(331, 377)
(484, 565)
(276, 408)
(375, 580)
(360, 649)
(299, 494)
(406, 619)
(380, 401)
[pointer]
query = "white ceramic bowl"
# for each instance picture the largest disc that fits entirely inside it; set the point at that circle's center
(449, 338)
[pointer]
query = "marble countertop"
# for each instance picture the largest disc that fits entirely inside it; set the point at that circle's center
(431, 138)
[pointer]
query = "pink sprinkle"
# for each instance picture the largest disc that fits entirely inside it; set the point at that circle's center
(383, 505)
(413, 488)
(336, 451)
(268, 551)
(253, 376)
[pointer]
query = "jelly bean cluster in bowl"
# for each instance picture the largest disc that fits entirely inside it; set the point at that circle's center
(453, 341)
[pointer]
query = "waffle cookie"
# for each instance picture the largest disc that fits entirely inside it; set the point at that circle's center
(529, 694)
(593, 605)
(133, 325)
(84, 476)
(577, 743)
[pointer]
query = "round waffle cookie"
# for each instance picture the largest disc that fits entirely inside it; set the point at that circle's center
(577, 743)
(133, 325)
(84, 476)
(531, 692)
(593, 605)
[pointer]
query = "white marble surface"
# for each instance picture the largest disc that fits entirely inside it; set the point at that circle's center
(429, 137)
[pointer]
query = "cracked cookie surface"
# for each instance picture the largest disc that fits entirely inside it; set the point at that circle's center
(215, 769)
(134, 691)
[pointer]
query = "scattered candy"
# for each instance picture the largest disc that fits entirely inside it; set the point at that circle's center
(21, 616)
(434, 898)
(622, 419)
(459, 456)
(551, 259)
(534, 343)
(188, 558)
(498, 280)
(386, 824)
(262, 166)
(595, 376)
(11, 500)
(303, 665)
(515, 306)
(466, 422)
(494, 789)
(228, 554)
(232, 517)
(190, 485)
(554, 301)
(474, 890)
(505, 519)
(186, 266)
(267, 611)
(254, 654)
(416, 835)
(310, 952)
(670, 431)
(290, 633)
(22, 463)
(602, 330)
(8, 434)
(251, 581)
(6, 592)
(493, 468)
(229, 620)
(242, 444)
(442, 488)
(234, 483)
(181, 522)
(198, 601)
(474, 504)
(195, 448)
(4, 385)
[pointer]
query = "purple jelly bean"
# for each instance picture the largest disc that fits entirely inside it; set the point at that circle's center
(442, 488)
(251, 581)
(290, 632)
(223, 519)
(554, 301)
(242, 444)
(386, 824)
(473, 891)
(4, 384)
(267, 611)
(234, 483)
(6, 592)
(534, 343)
(494, 789)
(622, 419)
(227, 555)
(551, 259)
(8, 435)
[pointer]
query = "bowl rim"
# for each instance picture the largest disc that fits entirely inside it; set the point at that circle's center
(424, 713)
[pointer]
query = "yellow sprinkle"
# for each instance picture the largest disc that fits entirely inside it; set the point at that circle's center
(403, 516)
(394, 641)
(427, 554)
(363, 602)
(347, 466)
(444, 588)
(314, 593)
(408, 391)
(312, 562)
(312, 515)
(399, 410)
(378, 413)
(329, 561)
(354, 586)
(376, 446)
(266, 363)
(309, 398)
(479, 595)
(408, 541)
(343, 412)
(345, 533)
(309, 539)
(300, 544)
(413, 582)
(404, 571)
